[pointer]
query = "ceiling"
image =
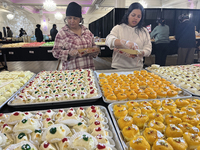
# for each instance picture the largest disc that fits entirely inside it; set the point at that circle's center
(92, 6)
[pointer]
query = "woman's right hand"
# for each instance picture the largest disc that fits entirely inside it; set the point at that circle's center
(129, 45)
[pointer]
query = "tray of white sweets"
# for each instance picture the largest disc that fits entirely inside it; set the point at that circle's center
(171, 124)
(123, 85)
(185, 76)
(78, 128)
(58, 87)
(11, 83)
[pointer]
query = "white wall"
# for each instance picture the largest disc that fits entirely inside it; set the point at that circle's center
(28, 22)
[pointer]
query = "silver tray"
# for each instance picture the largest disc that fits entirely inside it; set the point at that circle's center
(173, 83)
(118, 145)
(17, 91)
(58, 102)
(110, 108)
(184, 94)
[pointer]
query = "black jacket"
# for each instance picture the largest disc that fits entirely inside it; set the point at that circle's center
(53, 33)
(39, 35)
(185, 35)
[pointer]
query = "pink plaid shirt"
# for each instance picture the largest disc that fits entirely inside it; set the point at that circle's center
(67, 40)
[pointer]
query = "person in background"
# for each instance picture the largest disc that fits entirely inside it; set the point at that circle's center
(130, 34)
(185, 35)
(161, 35)
(9, 32)
(38, 34)
(22, 32)
(71, 37)
(1, 35)
(53, 32)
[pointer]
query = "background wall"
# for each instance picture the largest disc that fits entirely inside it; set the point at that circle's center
(28, 22)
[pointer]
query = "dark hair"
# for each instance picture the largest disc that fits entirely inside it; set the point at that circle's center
(133, 6)
(54, 25)
(82, 21)
(161, 21)
(7, 27)
(183, 17)
(38, 25)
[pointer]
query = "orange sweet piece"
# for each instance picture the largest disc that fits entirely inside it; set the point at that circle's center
(121, 96)
(118, 90)
(111, 97)
(129, 91)
(152, 95)
(172, 93)
(137, 91)
(161, 93)
(148, 90)
(132, 96)
(106, 93)
(142, 96)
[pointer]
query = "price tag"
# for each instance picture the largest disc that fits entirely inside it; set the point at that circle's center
(49, 51)
(11, 53)
(103, 48)
(31, 52)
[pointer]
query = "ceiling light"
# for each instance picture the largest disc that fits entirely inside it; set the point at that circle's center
(49, 5)
(143, 3)
(58, 16)
(10, 16)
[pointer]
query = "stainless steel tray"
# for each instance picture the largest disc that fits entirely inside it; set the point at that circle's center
(118, 145)
(17, 91)
(173, 83)
(184, 94)
(58, 102)
(110, 108)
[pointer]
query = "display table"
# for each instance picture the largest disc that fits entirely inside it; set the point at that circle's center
(9, 42)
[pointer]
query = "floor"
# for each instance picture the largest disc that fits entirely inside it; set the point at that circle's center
(101, 63)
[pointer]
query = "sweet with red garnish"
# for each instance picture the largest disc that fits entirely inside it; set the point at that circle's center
(97, 123)
(65, 139)
(16, 114)
(101, 146)
(46, 145)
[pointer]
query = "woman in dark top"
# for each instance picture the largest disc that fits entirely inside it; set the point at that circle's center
(22, 32)
(38, 34)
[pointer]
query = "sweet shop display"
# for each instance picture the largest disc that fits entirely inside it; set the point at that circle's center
(48, 44)
(11, 82)
(88, 128)
(171, 124)
(137, 85)
(34, 44)
(59, 86)
(187, 76)
(13, 45)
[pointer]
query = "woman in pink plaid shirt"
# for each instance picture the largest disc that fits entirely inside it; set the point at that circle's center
(71, 37)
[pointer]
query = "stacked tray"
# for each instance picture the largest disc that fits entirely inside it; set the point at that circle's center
(11, 83)
(58, 87)
(185, 76)
(175, 119)
(88, 127)
(126, 76)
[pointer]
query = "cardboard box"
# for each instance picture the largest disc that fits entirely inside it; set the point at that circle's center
(128, 52)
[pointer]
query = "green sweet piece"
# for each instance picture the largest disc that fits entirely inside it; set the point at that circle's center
(24, 121)
(26, 147)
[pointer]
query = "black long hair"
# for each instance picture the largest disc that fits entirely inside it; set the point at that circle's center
(161, 21)
(133, 6)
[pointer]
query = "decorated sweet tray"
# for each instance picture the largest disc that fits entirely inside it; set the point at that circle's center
(58, 87)
(12, 83)
(157, 124)
(186, 76)
(78, 128)
(123, 85)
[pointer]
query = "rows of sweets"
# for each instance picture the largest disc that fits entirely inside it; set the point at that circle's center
(61, 130)
(10, 82)
(139, 85)
(186, 76)
(50, 86)
(167, 125)
(23, 44)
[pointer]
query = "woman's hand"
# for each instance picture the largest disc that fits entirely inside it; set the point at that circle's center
(131, 45)
(73, 52)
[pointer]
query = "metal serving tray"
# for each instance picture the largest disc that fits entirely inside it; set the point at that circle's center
(17, 91)
(184, 94)
(118, 145)
(173, 83)
(110, 108)
(58, 102)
